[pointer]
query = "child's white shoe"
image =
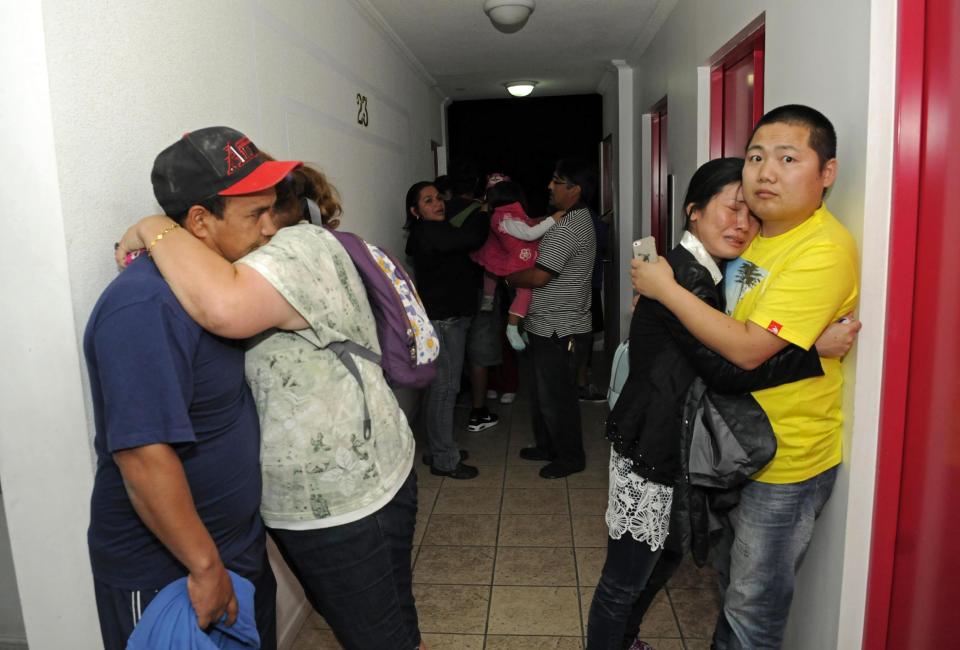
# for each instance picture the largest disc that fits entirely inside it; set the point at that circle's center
(516, 341)
(486, 303)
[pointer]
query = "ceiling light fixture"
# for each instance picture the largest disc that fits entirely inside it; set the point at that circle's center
(520, 88)
(509, 16)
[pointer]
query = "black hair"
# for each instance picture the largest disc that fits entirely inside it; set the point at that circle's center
(215, 205)
(443, 183)
(708, 181)
(578, 171)
(823, 137)
(505, 193)
(413, 200)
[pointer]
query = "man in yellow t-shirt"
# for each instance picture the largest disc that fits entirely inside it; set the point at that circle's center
(799, 275)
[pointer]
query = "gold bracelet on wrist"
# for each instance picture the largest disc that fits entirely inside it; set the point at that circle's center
(156, 239)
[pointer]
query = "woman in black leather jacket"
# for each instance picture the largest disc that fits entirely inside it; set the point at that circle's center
(644, 426)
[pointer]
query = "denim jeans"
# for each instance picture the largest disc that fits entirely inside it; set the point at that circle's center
(441, 396)
(765, 538)
(357, 576)
(625, 573)
(554, 404)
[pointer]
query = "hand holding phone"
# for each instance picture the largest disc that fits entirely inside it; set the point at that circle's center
(645, 249)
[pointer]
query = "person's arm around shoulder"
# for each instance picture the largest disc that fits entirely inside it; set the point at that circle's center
(550, 261)
(230, 300)
(746, 345)
(157, 486)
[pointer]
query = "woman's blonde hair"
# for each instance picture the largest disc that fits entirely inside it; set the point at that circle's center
(306, 182)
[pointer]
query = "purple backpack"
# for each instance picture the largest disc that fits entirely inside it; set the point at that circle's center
(399, 358)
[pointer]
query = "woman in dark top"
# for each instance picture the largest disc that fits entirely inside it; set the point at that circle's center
(644, 426)
(448, 283)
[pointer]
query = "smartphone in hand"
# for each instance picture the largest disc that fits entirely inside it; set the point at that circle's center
(645, 249)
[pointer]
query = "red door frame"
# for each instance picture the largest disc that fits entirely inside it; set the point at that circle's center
(907, 157)
(660, 220)
(753, 43)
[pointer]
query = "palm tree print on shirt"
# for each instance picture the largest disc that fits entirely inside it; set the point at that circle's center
(739, 278)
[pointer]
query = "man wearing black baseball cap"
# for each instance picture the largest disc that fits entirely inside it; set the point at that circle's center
(177, 488)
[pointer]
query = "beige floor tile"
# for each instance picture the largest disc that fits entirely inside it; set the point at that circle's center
(522, 565)
(452, 609)
(455, 565)
(590, 530)
(535, 611)
(689, 576)
(490, 477)
(462, 530)
(467, 501)
(696, 611)
(533, 643)
(590, 564)
(316, 621)
(697, 644)
(586, 598)
(424, 478)
(594, 476)
(665, 644)
(426, 498)
(311, 638)
(413, 556)
(453, 641)
(534, 501)
(535, 530)
(588, 501)
(659, 620)
(528, 476)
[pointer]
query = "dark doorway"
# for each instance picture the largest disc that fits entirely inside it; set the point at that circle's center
(524, 138)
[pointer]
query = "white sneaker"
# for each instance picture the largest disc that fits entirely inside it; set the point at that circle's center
(507, 398)
(486, 303)
(491, 394)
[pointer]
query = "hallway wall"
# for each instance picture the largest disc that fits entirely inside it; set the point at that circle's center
(817, 53)
(94, 91)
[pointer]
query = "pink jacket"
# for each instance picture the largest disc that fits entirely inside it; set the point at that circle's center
(505, 253)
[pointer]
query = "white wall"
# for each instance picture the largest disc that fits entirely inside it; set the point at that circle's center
(817, 53)
(93, 91)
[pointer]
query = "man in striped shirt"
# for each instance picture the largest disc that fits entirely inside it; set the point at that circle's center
(559, 321)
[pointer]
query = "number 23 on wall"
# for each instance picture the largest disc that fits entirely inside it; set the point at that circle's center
(362, 116)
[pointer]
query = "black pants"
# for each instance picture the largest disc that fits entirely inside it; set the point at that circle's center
(554, 406)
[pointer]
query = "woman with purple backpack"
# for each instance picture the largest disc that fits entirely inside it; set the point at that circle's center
(339, 494)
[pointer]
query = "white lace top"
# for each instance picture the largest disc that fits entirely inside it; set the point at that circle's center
(636, 505)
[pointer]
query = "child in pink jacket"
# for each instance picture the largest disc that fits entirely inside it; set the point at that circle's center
(512, 246)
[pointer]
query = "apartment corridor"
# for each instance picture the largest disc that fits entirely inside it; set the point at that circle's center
(509, 561)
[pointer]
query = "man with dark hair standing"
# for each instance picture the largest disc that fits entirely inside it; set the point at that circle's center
(559, 323)
(797, 276)
(177, 487)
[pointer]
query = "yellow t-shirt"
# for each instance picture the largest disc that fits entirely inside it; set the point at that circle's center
(794, 285)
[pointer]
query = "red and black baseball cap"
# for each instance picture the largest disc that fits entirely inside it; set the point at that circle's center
(211, 161)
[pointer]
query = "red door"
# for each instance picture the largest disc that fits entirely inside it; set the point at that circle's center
(914, 583)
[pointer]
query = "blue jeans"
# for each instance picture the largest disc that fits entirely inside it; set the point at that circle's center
(765, 538)
(625, 574)
(357, 576)
(441, 397)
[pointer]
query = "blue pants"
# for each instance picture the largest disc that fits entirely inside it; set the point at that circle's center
(357, 575)
(765, 538)
(441, 396)
(622, 583)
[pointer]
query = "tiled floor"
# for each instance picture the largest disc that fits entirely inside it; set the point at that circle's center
(509, 561)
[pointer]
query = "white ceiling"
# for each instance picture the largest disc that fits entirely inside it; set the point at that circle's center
(565, 46)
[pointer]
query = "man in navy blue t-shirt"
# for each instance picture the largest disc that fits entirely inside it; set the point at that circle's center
(177, 488)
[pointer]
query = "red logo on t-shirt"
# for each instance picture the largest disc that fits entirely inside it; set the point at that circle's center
(774, 327)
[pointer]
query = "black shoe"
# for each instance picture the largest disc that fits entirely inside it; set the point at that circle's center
(558, 470)
(427, 457)
(535, 453)
(460, 472)
(481, 419)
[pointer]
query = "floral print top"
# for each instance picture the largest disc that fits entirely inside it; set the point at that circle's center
(318, 468)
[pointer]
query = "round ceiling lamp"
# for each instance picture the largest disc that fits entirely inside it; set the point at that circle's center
(520, 88)
(508, 16)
